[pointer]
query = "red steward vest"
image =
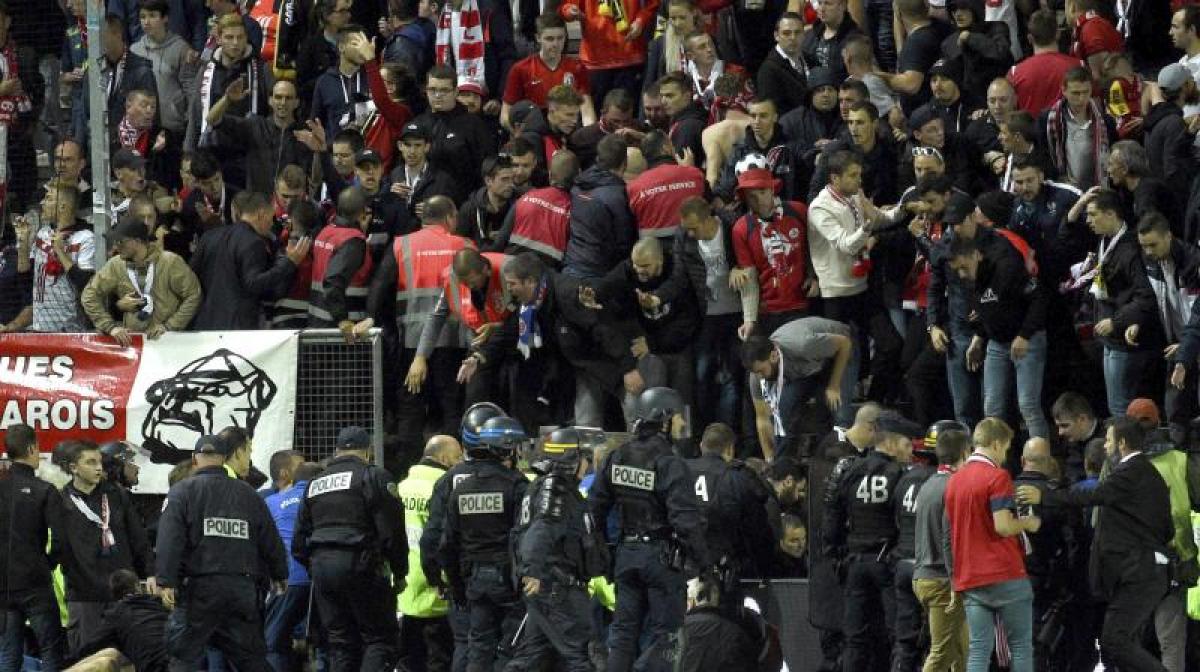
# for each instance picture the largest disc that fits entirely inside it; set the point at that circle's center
(421, 257)
(328, 242)
(656, 195)
(458, 295)
(542, 221)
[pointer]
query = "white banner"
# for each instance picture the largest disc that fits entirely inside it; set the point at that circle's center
(192, 384)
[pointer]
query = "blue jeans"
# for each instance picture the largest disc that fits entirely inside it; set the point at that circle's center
(796, 391)
(720, 378)
(39, 607)
(284, 614)
(1012, 601)
(1122, 371)
(998, 369)
(964, 384)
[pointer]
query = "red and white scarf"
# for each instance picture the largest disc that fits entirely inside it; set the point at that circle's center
(1056, 137)
(134, 137)
(107, 540)
(11, 106)
(206, 89)
(460, 41)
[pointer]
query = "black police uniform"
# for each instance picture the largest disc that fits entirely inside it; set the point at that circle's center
(733, 500)
(861, 525)
(30, 510)
(481, 510)
(559, 545)
(431, 566)
(906, 654)
(349, 525)
(652, 490)
(1057, 568)
(217, 547)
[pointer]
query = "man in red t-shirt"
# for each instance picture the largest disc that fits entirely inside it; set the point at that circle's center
(1038, 79)
(1094, 36)
(988, 568)
(532, 77)
(773, 239)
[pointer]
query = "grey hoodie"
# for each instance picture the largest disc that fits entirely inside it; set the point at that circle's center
(174, 76)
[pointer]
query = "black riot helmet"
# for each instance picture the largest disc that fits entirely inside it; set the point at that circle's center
(659, 404)
(564, 448)
(936, 429)
(473, 420)
(114, 455)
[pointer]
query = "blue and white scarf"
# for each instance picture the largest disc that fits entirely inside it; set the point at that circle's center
(529, 335)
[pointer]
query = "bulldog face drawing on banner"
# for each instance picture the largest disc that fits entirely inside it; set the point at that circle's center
(203, 397)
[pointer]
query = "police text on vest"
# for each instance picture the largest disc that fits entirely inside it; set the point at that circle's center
(230, 528)
(632, 477)
(481, 502)
(330, 483)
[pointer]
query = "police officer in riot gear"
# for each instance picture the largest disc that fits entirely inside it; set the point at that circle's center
(480, 513)
(906, 654)
(558, 548)
(216, 538)
(116, 458)
(431, 537)
(733, 500)
(350, 534)
(860, 528)
(651, 488)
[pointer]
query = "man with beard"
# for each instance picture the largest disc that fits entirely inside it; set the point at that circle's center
(482, 216)
(269, 142)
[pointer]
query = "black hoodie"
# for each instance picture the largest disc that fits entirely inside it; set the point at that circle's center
(1008, 302)
(987, 54)
(602, 227)
(1169, 147)
(687, 129)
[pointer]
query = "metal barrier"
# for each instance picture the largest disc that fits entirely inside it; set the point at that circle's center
(337, 384)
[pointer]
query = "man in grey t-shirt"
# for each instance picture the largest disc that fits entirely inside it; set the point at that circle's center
(793, 365)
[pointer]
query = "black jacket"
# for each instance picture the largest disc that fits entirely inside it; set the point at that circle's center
(570, 333)
(1043, 224)
(880, 176)
(602, 227)
(265, 148)
(779, 81)
(1134, 523)
(137, 74)
(246, 544)
(85, 563)
(829, 56)
(134, 626)
(1169, 147)
(987, 53)
(716, 639)
(315, 57)
(785, 156)
(30, 530)
(1059, 546)
(1130, 297)
(461, 141)
(668, 329)
(477, 222)
(1007, 301)
(238, 272)
(687, 129)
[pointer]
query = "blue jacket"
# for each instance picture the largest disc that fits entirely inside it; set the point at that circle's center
(284, 505)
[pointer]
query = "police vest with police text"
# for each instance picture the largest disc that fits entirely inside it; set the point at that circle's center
(328, 242)
(496, 298)
(542, 222)
(418, 599)
(420, 259)
(484, 505)
(338, 508)
(632, 471)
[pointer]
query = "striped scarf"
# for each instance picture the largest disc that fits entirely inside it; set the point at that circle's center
(460, 41)
(1056, 136)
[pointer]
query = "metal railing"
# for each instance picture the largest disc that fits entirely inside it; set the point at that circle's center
(338, 384)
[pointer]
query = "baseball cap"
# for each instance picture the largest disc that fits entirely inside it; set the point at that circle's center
(127, 159)
(471, 86)
(126, 229)
(1173, 77)
(520, 110)
(996, 205)
(353, 437)
(1143, 410)
(414, 130)
(958, 207)
(893, 423)
(367, 156)
(921, 116)
(212, 444)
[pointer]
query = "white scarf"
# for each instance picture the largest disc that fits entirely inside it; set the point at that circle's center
(107, 540)
(771, 393)
(206, 92)
(708, 92)
(1098, 289)
(143, 291)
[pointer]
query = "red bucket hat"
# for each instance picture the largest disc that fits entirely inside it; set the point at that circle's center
(758, 178)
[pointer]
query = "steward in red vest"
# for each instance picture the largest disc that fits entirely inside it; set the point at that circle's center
(341, 270)
(540, 222)
(656, 195)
